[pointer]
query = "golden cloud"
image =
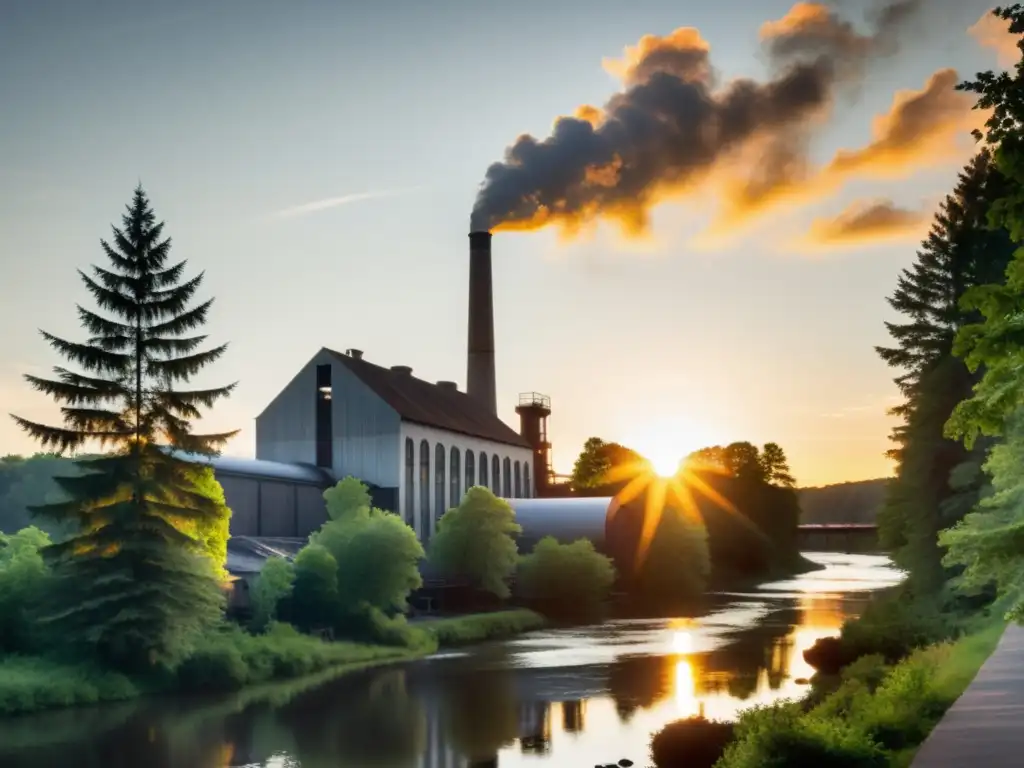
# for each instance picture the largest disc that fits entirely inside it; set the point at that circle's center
(869, 221)
(990, 31)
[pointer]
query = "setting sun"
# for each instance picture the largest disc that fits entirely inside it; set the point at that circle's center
(665, 465)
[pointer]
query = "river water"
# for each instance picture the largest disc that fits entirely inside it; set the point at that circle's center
(564, 698)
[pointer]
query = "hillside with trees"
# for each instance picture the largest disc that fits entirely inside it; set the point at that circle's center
(854, 502)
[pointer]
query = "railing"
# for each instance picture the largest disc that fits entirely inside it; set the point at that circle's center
(534, 398)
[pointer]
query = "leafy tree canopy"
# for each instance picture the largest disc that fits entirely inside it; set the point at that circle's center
(475, 540)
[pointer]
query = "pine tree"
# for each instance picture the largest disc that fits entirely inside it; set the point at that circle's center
(135, 587)
(960, 252)
(775, 466)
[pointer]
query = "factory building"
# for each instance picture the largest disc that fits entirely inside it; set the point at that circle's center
(418, 445)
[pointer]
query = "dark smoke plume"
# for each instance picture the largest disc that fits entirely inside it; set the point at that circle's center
(671, 126)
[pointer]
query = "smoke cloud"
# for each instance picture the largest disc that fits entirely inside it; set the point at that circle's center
(869, 221)
(919, 128)
(673, 126)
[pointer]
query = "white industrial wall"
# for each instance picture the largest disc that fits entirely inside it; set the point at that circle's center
(417, 433)
(365, 428)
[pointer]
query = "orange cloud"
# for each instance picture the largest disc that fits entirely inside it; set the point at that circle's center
(921, 129)
(990, 31)
(869, 221)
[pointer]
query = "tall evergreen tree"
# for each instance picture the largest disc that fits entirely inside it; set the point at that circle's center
(960, 252)
(136, 589)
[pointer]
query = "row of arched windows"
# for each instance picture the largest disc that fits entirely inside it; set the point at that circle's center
(504, 477)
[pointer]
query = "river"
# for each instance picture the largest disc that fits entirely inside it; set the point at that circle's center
(564, 698)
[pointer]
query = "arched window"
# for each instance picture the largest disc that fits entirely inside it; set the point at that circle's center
(439, 487)
(506, 478)
(470, 470)
(424, 490)
(410, 479)
(519, 482)
(527, 488)
(496, 475)
(455, 475)
(483, 469)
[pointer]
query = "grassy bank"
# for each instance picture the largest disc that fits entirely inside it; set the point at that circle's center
(479, 627)
(234, 659)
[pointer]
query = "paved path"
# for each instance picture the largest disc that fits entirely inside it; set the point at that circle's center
(985, 727)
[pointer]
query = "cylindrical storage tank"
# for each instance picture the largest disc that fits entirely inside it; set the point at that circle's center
(565, 519)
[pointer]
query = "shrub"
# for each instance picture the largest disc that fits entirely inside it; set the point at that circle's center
(314, 601)
(891, 627)
(274, 584)
(475, 541)
(570, 580)
(693, 742)
(31, 683)
(781, 735)
(25, 581)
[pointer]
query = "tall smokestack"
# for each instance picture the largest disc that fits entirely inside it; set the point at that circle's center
(480, 379)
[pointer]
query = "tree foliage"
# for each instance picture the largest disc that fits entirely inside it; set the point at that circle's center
(932, 297)
(27, 482)
(566, 579)
(136, 587)
(25, 584)
(369, 556)
(475, 541)
(677, 563)
(987, 544)
(597, 462)
(273, 585)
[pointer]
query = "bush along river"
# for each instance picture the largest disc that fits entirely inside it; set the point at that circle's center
(569, 697)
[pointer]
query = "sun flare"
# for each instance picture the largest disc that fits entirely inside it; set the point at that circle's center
(665, 465)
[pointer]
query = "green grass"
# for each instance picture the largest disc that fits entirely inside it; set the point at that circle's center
(32, 683)
(479, 627)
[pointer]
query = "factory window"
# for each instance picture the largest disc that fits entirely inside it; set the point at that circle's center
(439, 488)
(470, 470)
(483, 469)
(324, 449)
(425, 490)
(527, 488)
(506, 477)
(496, 475)
(455, 475)
(410, 477)
(519, 482)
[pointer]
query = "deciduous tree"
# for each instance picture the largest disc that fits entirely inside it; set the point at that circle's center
(475, 541)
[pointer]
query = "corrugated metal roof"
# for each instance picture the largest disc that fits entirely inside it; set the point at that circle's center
(423, 402)
(265, 470)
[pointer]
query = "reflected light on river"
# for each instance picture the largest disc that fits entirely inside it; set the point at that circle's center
(561, 697)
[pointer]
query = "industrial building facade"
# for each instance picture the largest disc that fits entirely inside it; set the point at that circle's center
(419, 445)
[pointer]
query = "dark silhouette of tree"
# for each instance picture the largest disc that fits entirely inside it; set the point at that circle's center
(743, 461)
(597, 462)
(775, 466)
(960, 252)
(135, 588)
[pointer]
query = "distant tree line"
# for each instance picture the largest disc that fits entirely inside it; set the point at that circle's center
(855, 502)
(741, 495)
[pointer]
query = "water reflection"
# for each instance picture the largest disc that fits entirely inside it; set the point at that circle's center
(578, 697)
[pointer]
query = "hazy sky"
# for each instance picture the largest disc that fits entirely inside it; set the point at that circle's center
(319, 160)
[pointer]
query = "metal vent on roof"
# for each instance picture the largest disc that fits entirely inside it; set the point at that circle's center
(405, 370)
(356, 353)
(450, 386)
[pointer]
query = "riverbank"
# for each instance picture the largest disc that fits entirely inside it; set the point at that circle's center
(234, 659)
(893, 675)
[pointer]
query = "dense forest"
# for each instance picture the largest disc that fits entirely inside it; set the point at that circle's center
(855, 502)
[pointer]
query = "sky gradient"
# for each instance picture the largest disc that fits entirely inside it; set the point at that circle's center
(319, 160)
